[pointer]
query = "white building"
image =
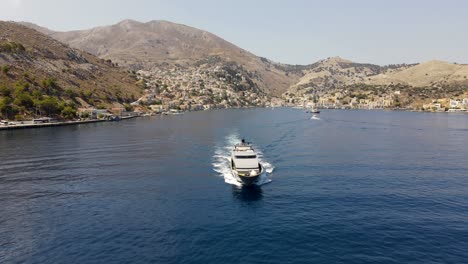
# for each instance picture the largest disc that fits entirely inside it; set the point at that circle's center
(92, 113)
(454, 103)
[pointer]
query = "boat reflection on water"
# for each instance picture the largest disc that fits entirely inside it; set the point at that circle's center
(249, 193)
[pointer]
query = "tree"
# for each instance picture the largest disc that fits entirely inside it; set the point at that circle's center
(315, 100)
(3, 107)
(49, 105)
(6, 109)
(20, 87)
(85, 115)
(50, 85)
(68, 112)
(37, 95)
(24, 99)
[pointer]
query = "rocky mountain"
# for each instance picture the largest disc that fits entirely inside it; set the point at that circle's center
(335, 72)
(336, 82)
(43, 76)
(160, 43)
(161, 47)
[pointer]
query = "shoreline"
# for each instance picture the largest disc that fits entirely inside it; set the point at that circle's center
(66, 123)
(69, 123)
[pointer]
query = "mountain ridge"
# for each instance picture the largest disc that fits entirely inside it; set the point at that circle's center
(159, 44)
(141, 45)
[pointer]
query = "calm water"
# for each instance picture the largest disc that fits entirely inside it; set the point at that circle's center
(353, 187)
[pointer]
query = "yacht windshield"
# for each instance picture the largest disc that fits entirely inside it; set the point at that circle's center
(246, 157)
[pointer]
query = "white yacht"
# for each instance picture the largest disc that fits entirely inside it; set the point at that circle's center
(245, 165)
(313, 111)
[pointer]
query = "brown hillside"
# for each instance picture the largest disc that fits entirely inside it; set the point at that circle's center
(155, 43)
(425, 74)
(32, 61)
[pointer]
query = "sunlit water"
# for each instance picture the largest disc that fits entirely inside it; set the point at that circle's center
(347, 187)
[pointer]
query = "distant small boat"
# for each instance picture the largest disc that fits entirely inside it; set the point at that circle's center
(313, 111)
(174, 112)
(115, 118)
(245, 166)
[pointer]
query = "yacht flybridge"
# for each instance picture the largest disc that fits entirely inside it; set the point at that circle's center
(245, 165)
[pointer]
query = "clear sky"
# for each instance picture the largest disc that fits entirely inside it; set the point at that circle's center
(289, 31)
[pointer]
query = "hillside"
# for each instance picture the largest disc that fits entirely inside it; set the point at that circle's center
(336, 82)
(183, 58)
(335, 72)
(160, 43)
(425, 74)
(42, 76)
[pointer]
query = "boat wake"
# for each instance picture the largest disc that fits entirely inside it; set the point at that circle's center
(315, 118)
(222, 158)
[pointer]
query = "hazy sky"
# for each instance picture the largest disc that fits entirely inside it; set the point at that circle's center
(289, 31)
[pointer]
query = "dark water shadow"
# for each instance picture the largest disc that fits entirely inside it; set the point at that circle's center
(247, 193)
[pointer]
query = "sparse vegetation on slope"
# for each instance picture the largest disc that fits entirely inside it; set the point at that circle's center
(163, 46)
(142, 46)
(43, 77)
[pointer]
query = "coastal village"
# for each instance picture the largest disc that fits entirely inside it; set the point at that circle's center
(203, 88)
(176, 90)
(392, 99)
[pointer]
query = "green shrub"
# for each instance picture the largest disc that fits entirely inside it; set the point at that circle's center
(21, 87)
(5, 69)
(19, 117)
(128, 107)
(4, 91)
(12, 47)
(88, 94)
(70, 93)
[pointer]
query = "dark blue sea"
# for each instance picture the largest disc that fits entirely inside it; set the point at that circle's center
(348, 187)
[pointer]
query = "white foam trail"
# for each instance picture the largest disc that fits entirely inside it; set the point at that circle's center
(222, 157)
(315, 118)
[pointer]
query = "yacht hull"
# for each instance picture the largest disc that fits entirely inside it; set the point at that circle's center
(247, 179)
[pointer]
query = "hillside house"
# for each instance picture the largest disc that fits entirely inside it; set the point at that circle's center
(454, 103)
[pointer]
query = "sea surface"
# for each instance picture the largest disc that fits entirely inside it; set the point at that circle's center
(345, 187)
